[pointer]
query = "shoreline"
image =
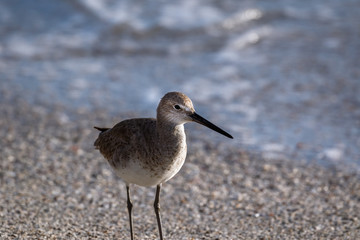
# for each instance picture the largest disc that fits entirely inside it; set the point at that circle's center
(55, 185)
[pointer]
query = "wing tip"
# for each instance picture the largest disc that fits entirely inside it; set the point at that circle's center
(101, 129)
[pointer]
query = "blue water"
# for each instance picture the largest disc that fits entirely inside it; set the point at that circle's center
(282, 76)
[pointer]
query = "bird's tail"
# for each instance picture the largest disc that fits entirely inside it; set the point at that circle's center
(101, 129)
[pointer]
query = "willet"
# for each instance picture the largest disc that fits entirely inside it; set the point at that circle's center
(149, 152)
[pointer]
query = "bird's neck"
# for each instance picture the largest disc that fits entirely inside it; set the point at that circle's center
(170, 134)
(171, 143)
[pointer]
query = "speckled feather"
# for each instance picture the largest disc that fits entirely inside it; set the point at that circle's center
(148, 151)
(137, 140)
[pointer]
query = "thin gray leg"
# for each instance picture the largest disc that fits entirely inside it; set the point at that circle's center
(157, 209)
(130, 206)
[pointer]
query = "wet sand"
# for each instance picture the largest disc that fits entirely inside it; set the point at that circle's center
(54, 185)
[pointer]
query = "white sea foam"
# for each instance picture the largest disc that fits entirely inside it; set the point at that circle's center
(242, 17)
(116, 12)
(189, 13)
(334, 154)
(231, 51)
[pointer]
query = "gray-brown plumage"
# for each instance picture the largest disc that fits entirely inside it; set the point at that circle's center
(147, 151)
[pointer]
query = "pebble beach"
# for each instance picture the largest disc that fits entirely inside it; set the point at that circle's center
(281, 77)
(54, 185)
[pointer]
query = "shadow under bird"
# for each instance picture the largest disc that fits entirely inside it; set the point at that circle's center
(149, 152)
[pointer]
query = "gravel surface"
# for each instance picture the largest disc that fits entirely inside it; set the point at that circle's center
(54, 185)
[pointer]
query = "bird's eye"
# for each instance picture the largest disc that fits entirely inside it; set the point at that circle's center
(177, 107)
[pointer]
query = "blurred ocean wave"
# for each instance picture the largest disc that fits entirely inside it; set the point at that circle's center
(283, 76)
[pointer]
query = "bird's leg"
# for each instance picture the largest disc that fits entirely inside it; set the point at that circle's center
(157, 209)
(129, 207)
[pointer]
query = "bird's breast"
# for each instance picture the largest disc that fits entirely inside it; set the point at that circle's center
(145, 171)
(177, 162)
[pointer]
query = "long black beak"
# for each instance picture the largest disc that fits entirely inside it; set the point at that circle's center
(199, 119)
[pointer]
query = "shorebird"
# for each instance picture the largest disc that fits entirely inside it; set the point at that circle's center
(149, 152)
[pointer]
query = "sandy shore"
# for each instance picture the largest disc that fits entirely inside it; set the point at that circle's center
(54, 185)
